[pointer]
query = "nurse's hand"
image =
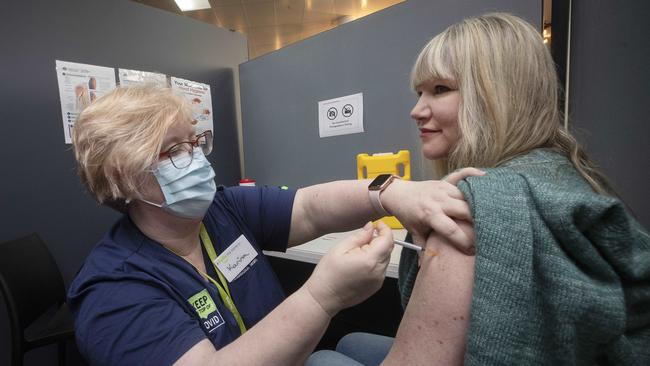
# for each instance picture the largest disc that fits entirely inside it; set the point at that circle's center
(437, 244)
(352, 270)
(423, 207)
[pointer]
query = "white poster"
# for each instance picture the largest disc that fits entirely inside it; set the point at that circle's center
(340, 116)
(131, 77)
(199, 97)
(80, 85)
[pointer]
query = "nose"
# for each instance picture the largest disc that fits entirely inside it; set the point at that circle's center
(420, 111)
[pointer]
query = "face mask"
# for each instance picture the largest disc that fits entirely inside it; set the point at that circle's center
(188, 191)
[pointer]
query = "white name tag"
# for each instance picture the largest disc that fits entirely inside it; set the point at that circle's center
(235, 258)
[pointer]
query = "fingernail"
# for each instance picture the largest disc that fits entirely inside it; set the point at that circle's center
(368, 226)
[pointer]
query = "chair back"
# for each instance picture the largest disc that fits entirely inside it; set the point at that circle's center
(30, 283)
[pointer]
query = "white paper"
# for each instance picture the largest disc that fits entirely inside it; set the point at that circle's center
(80, 85)
(198, 95)
(235, 258)
(340, 116)
(133, 77)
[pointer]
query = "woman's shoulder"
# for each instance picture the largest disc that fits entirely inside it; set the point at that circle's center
(542, 180)
(539, 171)
(544, 186)
(538, 162)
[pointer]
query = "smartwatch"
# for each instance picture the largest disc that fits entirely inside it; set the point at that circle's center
(375, 188)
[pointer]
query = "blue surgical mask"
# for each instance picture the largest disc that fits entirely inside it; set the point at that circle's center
(189, 191)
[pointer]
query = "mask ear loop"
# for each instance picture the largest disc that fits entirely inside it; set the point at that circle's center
(159, 205)
(152, 170)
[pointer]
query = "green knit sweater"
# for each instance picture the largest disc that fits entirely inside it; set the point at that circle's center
(562, 274)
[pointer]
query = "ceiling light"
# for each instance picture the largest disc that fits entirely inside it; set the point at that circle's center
(188, 5)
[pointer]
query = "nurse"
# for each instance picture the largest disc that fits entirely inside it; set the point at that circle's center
(181, 277)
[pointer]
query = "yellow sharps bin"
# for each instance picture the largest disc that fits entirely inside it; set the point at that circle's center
(370, 166)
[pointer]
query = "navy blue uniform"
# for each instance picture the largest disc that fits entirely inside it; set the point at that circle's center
(131, 299)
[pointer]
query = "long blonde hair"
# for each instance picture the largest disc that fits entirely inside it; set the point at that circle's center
(508, 90)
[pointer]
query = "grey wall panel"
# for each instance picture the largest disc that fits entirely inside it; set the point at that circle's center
(372, 55)
(39, 189)
(609, 93)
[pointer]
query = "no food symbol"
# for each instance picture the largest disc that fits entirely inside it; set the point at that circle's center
(332, 113)
(347, 110)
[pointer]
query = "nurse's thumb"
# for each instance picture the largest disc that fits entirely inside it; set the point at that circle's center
(358, 239)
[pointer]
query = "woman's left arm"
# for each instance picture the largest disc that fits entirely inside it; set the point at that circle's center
(421, 207)
(434, 328)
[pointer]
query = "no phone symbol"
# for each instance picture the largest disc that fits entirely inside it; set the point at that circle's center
(347, 110)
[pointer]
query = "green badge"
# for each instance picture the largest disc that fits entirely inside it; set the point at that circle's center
(203, 304)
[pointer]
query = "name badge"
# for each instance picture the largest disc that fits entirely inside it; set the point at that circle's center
(235, 258)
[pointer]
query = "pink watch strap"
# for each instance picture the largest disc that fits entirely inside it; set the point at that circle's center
(376, 203)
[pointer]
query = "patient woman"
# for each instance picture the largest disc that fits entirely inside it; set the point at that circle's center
(562, 272)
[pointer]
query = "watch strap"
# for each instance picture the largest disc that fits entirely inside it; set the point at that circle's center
(376, 203)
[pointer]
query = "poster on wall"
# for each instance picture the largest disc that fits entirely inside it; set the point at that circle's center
(198, 95)
(80, 85)
(132, 77)
(340, 116)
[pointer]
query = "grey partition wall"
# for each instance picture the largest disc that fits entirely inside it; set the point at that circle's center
(609, 93)
(39, 189)
(373, 56)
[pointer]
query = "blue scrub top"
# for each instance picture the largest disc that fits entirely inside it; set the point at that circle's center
(134, 301)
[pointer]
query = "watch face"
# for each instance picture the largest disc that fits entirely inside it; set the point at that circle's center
(379, 181)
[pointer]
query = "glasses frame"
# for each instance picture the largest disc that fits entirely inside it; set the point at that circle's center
(195, 143)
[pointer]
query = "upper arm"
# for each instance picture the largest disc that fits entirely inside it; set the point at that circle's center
(202, 353)
(302, 227)
(434, 328)
(266, 211)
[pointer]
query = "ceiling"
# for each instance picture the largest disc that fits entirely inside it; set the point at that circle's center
(273, 24)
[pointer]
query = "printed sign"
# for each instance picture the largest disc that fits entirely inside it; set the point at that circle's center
(133, 77)
(340, 116)
(80, 85)
(198, 95)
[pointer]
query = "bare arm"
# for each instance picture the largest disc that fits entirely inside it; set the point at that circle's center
(330, 207)
(420, 206)
(434, 328)
(285, 337)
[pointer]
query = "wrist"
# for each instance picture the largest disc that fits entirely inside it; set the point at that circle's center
(389, 195)
(320, 304)
(376, 188)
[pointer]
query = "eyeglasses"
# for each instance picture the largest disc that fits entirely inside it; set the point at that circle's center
(181, 154)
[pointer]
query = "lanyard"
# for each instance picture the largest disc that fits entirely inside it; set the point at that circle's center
(222, 284)
(224, 291)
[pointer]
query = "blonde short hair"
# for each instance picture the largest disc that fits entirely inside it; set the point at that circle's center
(508, 89)
(118, 137)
